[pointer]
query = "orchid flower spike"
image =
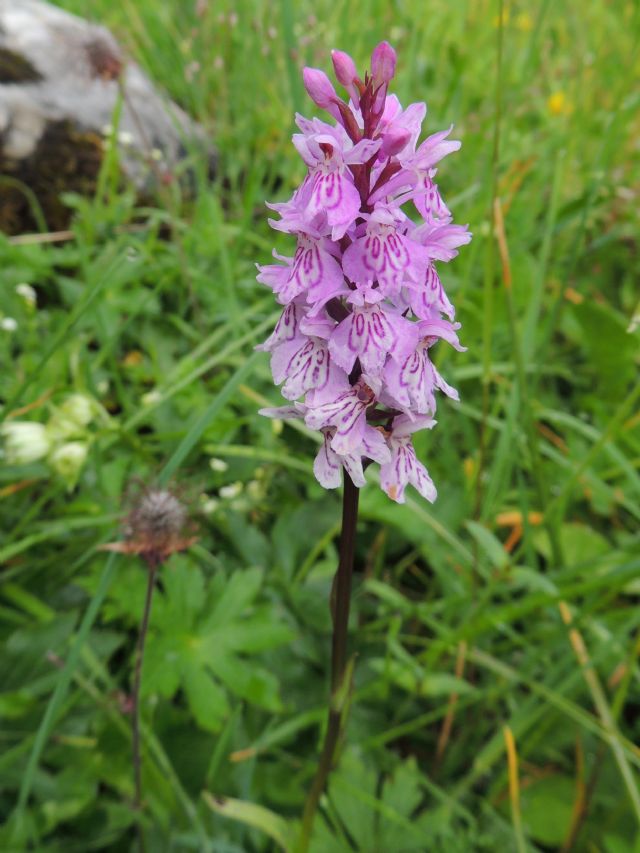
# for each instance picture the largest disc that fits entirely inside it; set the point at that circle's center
(362, 299)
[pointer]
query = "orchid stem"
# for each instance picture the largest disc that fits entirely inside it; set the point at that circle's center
(340, 604)
(135, 697)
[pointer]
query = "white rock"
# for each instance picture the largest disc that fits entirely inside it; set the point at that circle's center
(67, 70)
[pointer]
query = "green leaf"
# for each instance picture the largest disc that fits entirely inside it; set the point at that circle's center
(200, 424)
(184, 585)
(547, 807)
(580, 543)
(62, 686)
(254, 634)
(252, 545)
(384, 820)
(490, 544)
(207, 700)
(611, 349)
(247, 681)
(239, 591)
(162, 665)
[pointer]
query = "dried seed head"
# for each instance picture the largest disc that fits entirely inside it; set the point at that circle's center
(159, 516)
(156, 526)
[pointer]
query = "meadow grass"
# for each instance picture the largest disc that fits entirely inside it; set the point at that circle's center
(497, 683)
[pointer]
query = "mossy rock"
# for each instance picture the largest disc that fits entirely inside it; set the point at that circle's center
(15, 68)
(61, 80)
(65, 159)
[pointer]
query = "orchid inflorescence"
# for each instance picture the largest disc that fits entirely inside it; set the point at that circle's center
(363, 300)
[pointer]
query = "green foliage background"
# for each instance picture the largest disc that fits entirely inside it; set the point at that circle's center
(157, 324)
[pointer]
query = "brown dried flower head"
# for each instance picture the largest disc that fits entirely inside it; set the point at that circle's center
(156, 526)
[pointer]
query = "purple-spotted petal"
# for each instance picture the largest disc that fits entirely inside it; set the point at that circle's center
(428, 201)
(285, 330)
(374, 446)
(347, 414)
(337, 384)
(366, 334)
(386, 256)
(327, 466)
(430, 296)
(404, 469)
(404, 425)
(334, 194)
(441, 241)
(308, 369)
(411, 383)
(352, 463)
(281, 358)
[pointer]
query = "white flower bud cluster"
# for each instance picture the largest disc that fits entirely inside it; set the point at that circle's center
(63, 442)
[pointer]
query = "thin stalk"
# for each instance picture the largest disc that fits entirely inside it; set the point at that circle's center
(135, 710)
(488, 297)
(340, 605)
(537, 470)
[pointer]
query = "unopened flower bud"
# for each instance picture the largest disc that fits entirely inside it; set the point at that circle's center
(319, 88)
(255, 489)
(344, 66)
(24, 441)
(394, 140)
(27, 293)
(346, 73)
(383, 63)
(67, 461)
(231, 491)
(72, 418)
(79, 408)
(151, 398)
(209, 505)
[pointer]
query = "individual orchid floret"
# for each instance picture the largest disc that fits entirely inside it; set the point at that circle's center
(394, 141)
(416, 175)
(329, 188)
(328, 464)
(404, 468)
(410, 383)
(347, 413)
(369, 334)
(363, 302)
(384, 253)
(304, 364)
(441, 241)
(313, 271)
(430, 296)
